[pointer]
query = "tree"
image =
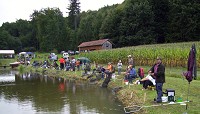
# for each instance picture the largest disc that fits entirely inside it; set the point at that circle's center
(50, 32)
(184, 21)
(4, 36)
(74, 11)
(160, 10)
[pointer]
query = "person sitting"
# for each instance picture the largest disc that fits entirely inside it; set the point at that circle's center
(87, 68)
(130, 74)
(35, 64)
(108, 70)
(146, 81)
(55, 65)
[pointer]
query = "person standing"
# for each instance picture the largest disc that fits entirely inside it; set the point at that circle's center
(78, 64)
(119, 66)
(130, 61)
(73, 62)
(158, 72)
(62, 63)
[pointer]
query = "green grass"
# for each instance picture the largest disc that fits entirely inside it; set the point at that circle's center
(174, 80)
(6, 62)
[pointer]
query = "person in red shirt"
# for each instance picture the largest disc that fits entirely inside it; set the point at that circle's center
(62, 63)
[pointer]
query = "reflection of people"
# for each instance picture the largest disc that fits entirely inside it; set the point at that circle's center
(158, 72)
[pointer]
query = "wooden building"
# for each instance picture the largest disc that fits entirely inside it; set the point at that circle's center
(95, 45)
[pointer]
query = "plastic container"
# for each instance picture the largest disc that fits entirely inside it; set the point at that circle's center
(126, 82)
(164, 99)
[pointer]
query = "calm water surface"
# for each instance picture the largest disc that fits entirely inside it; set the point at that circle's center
(32, 93)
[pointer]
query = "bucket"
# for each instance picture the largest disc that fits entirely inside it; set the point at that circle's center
(113, 76)
(164, 99)
(126, 82)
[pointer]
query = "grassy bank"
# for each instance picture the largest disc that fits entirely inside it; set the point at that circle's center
(6, 62)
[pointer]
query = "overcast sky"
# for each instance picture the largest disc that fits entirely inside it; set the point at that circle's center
(12, 10)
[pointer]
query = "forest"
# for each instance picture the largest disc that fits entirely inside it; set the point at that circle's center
(132, 23)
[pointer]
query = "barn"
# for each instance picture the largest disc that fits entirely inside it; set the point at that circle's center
(95, 45)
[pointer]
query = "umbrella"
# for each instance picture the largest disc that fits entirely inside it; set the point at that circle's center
(84, 60)
(191, 65)
(191, 68)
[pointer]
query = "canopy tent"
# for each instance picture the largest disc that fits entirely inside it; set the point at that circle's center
(7, 52)
(84, 60)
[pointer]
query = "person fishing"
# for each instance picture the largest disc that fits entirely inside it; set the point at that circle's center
(158, 72)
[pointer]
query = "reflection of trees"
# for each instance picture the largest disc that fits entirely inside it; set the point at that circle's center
(51, 94)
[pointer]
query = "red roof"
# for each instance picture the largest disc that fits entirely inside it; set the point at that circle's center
(93, 43)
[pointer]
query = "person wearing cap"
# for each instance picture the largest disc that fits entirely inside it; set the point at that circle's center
(158, 72)
(130, 74)
(130, 61)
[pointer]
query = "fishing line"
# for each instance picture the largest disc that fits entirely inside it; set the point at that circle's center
(137, 108)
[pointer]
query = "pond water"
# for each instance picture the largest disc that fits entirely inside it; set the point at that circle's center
(32, 93)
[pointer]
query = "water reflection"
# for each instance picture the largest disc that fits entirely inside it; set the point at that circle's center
(7, 76)
(32, 93)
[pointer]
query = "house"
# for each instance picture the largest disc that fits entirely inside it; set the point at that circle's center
(7, 53)
(95, 45)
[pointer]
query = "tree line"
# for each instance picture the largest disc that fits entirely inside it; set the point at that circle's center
(134, 22)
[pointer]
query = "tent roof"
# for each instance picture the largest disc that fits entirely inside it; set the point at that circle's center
(7, 52)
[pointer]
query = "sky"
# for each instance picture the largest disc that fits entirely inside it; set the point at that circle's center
(13, 10)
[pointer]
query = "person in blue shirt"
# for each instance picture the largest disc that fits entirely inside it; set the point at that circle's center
(131, 74)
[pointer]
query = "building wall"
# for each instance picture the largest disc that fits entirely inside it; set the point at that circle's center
(107, 45)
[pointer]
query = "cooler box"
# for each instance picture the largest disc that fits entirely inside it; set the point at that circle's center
(171, 95)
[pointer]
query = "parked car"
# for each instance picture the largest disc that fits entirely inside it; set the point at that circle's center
(71, 52)
(76, 52)
(63, 52)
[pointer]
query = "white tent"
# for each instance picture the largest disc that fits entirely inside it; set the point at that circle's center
(7, 52)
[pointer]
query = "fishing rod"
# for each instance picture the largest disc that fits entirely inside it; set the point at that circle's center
(137, 108)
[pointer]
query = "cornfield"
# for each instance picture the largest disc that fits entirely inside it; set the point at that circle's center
(173, 54)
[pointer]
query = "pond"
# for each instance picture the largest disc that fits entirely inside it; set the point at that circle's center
(33, 93)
